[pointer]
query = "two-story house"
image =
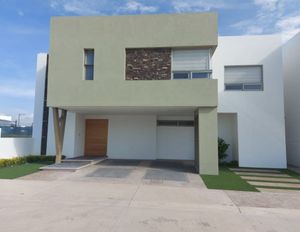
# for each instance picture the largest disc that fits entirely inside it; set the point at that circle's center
(160, 87)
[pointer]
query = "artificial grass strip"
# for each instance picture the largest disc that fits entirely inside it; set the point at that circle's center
(227, 180)
(283, 188)
(291, 173)
(16, 171)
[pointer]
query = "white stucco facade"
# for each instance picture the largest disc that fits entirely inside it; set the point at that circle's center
(291, 64)
(260, 114)
(252, 122)
(41, 68)
(129, 137)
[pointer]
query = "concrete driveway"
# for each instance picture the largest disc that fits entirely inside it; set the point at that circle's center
(135, 198)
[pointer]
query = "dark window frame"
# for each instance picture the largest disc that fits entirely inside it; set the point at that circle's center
(175, 123)
(244, 85)
(88, 66)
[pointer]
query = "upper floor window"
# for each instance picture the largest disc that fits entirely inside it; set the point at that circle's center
(243, 78)
(191, 63)
(89, 64)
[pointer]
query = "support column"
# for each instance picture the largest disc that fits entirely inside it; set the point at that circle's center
(59, 122)
(206, 141)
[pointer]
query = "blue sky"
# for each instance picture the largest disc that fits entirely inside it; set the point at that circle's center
(25, 31)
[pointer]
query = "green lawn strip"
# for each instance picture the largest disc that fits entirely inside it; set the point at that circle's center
(273, 187)
(227, 180)
(16, 171)
(291, 173)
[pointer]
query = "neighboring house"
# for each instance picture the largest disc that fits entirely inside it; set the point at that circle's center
(291, 55)
(5, 120)
(160, 87)
(251, 104)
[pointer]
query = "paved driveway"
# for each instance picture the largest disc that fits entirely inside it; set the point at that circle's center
(138, 196)
(174, 173)
(135, 172)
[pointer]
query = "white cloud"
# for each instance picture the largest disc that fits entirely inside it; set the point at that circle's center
(16, 90)
(289, 26)
(134, 6)
(79, 7)
(100, 7)
(271, 18)
(248, 27)
(9, 91)
(268, 5)
(254, 30)
(197, 5)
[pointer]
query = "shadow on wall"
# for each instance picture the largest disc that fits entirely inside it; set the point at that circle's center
(227, 130)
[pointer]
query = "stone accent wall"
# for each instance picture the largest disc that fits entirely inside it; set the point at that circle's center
(148, 64)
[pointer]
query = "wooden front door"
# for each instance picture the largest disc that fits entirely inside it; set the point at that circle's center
(96, 131)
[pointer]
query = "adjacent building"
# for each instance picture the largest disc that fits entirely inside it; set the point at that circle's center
(291, 54)
(5, 120)
(160, 87)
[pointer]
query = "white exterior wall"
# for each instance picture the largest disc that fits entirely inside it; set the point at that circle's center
(227, 130)
(70, 147)
(291, 61)
(175, 142)
(129, 137)
(260, 114)
(14, 147)
(39, 102)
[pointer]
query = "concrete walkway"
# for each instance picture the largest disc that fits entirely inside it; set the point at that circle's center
(82, 201)
(266, 180)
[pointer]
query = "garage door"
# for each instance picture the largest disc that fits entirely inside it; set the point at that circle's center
(175, 140)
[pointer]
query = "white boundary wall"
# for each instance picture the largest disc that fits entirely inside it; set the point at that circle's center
(291, 58)
(260, 114)
(13, 147)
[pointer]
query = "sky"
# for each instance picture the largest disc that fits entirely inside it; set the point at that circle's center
(24, 32)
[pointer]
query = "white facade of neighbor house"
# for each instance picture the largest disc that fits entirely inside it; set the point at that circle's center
(252, 122)
(291, 55)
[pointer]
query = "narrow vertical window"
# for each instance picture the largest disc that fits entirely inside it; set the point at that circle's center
(89, 64)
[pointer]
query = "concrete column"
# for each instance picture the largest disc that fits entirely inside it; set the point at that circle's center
(206, 141)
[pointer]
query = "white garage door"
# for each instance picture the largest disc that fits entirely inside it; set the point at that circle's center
(175, 141)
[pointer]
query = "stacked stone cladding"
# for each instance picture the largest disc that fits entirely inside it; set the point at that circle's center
(148, 64)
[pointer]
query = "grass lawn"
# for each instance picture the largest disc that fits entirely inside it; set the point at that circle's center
(227, 180)
(16, 171)
(291, 173)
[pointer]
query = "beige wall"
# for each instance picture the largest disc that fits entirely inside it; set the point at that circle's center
(109, 36)
(207, 141)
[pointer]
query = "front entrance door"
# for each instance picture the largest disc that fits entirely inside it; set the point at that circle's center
(96, 131)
